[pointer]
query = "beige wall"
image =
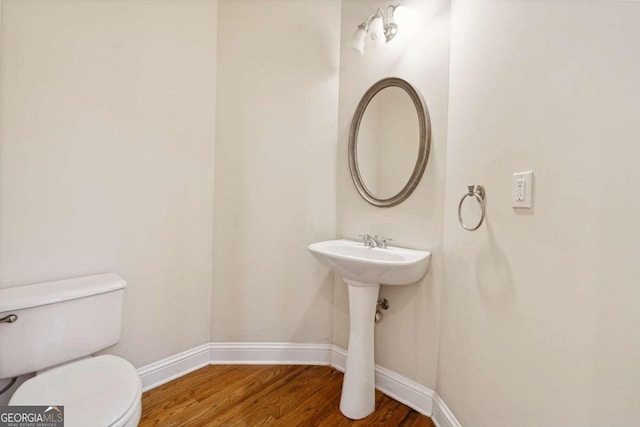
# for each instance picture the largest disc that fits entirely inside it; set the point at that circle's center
(275, 169)
(541, 308)
(107, 128)
(406, 340)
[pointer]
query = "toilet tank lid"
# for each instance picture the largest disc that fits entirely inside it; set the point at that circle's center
(20, 297)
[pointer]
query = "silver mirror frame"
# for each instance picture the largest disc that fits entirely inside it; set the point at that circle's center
(423, 151)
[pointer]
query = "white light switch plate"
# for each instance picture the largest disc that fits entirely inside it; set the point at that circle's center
(521, 189)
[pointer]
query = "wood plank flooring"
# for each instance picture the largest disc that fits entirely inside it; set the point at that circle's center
(280, 395)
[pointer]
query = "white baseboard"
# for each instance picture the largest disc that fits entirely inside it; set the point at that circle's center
(410, 393)
(442, 415)
(173, 367)
(269, 354)
(338, 357)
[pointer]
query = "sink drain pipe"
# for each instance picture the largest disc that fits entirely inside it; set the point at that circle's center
(382, 304)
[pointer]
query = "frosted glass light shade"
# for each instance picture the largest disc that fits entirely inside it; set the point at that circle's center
(376, 32)
(357, 41)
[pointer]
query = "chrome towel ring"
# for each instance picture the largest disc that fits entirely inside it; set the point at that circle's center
(477, 192)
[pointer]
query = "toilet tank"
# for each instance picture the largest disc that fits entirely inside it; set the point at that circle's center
(58, 321)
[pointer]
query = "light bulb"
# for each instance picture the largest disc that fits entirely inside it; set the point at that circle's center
(376, 32)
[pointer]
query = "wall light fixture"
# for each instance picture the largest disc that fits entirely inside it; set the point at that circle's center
(376, 30)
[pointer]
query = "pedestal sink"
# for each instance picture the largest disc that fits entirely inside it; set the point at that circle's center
(364, 268)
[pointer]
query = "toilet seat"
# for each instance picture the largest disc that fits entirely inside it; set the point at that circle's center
(98, 391)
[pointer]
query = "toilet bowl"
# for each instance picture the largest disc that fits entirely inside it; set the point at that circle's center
(97, 391)
(52, 329)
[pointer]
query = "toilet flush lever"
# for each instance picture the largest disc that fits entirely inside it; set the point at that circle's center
(9, 319)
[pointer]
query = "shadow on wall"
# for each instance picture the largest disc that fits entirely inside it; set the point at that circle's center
(6, 396)
(322, 300)
(493, 275)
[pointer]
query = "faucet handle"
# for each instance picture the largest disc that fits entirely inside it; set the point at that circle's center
(383, 242)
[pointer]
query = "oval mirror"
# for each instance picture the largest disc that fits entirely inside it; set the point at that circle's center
(389, 142)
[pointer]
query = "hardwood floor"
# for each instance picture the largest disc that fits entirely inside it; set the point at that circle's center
(282, 395)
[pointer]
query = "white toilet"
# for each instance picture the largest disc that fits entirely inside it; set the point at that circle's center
(58, 325)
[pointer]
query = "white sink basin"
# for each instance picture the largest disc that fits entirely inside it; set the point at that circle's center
(355, 261)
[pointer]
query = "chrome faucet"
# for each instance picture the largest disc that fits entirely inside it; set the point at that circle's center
(369, 240)
(374, 241)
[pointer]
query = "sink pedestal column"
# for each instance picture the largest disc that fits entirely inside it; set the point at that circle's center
(358, 388)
